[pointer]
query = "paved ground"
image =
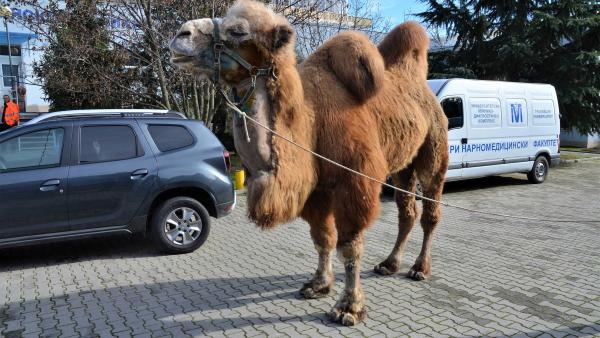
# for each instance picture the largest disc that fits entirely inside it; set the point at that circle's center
(492, 277)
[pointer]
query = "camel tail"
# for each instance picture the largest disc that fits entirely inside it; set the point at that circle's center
(407, 44)
(356, 62)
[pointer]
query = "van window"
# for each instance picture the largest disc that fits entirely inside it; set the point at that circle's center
(543, 112)
(485, 112)
(453, 107)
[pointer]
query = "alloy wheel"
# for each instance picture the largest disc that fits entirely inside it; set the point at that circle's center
(183, 226)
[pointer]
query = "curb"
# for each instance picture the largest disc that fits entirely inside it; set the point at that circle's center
(583, 159)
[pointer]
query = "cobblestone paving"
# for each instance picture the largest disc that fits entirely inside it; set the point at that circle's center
(491, 277)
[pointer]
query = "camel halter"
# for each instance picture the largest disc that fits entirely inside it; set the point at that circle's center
(220, 48)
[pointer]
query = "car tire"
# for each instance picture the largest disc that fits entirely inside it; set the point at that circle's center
(539, 172)
(180, 225)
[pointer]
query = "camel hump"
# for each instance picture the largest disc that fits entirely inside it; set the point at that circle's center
(406, 42)
(356, 62)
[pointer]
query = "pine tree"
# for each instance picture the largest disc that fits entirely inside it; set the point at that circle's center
(556, 42)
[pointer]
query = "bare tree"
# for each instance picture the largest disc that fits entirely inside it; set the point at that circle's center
(316, 21)
(135, 39)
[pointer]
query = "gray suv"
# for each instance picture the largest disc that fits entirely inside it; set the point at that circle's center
(78, 174)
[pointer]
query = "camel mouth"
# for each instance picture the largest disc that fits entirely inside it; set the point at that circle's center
(178, 58)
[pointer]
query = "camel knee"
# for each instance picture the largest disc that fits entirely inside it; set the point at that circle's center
(407, 210)
(431, 215)
(350, 250)
(430, 218)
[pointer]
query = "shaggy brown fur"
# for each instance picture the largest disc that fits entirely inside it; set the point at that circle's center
(365, 107)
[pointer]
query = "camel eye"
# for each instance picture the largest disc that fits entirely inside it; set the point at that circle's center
(237, 34)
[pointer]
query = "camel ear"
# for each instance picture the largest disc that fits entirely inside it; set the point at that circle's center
(282, 35)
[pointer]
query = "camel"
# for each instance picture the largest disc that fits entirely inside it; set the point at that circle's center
(366, 107)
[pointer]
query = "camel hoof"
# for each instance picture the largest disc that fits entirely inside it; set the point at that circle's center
(347, 318)
(309, 291)
(416, 275)
(385, 268)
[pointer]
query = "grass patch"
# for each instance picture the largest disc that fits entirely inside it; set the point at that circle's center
(570, 157)
(581, 150)
(236, 161)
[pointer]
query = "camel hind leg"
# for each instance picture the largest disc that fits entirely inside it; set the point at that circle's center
(407, 213)
(431, 165)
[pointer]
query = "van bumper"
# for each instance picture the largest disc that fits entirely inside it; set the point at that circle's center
(554, 160)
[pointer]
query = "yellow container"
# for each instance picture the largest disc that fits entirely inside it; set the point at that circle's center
(238, 179)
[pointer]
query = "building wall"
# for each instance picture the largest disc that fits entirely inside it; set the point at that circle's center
(573, 138)
(19, 35)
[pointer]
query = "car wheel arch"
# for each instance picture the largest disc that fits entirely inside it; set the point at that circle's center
(199, 194)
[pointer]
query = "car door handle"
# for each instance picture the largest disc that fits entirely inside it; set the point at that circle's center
(464, 140)
(49, 185)
(139, 173)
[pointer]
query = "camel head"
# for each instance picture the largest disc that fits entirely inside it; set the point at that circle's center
(256, 57)
(253, 33)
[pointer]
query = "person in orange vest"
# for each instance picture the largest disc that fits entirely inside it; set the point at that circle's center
(10, 114)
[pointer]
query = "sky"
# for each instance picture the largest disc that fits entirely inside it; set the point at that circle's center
(400, 10)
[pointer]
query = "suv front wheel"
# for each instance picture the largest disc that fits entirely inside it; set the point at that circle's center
(180, 225)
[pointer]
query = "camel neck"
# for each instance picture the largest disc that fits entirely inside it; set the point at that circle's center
(248, 94)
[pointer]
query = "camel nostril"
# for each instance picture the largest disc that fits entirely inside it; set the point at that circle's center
(184, 33)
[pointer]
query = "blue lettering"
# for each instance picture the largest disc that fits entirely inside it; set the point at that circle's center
(545, 143)
(516, 113)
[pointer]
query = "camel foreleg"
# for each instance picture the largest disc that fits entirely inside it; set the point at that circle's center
(318, 212)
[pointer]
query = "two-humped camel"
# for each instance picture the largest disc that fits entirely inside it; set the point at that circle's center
(367, 107)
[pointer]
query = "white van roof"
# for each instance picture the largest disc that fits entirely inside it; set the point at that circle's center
(488, 86)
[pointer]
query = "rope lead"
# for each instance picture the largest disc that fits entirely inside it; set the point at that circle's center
(244, 115)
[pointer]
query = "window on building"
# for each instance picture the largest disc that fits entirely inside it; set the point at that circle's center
(453, 107)
(170, 137)
(8, 76)
(14, 50)
(33, 150)
(107, 143)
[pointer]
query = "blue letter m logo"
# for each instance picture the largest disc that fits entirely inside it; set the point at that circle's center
(516, 113)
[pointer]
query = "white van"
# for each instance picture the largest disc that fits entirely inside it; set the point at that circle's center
(499, 127)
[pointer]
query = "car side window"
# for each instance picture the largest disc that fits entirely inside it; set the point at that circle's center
(453, 108)
(107, 143)
(38, 149)
(170, 137)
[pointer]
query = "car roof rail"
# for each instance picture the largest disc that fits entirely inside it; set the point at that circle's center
(105, 113)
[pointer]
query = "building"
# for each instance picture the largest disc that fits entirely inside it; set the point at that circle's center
(18, 48)
(573, 138)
